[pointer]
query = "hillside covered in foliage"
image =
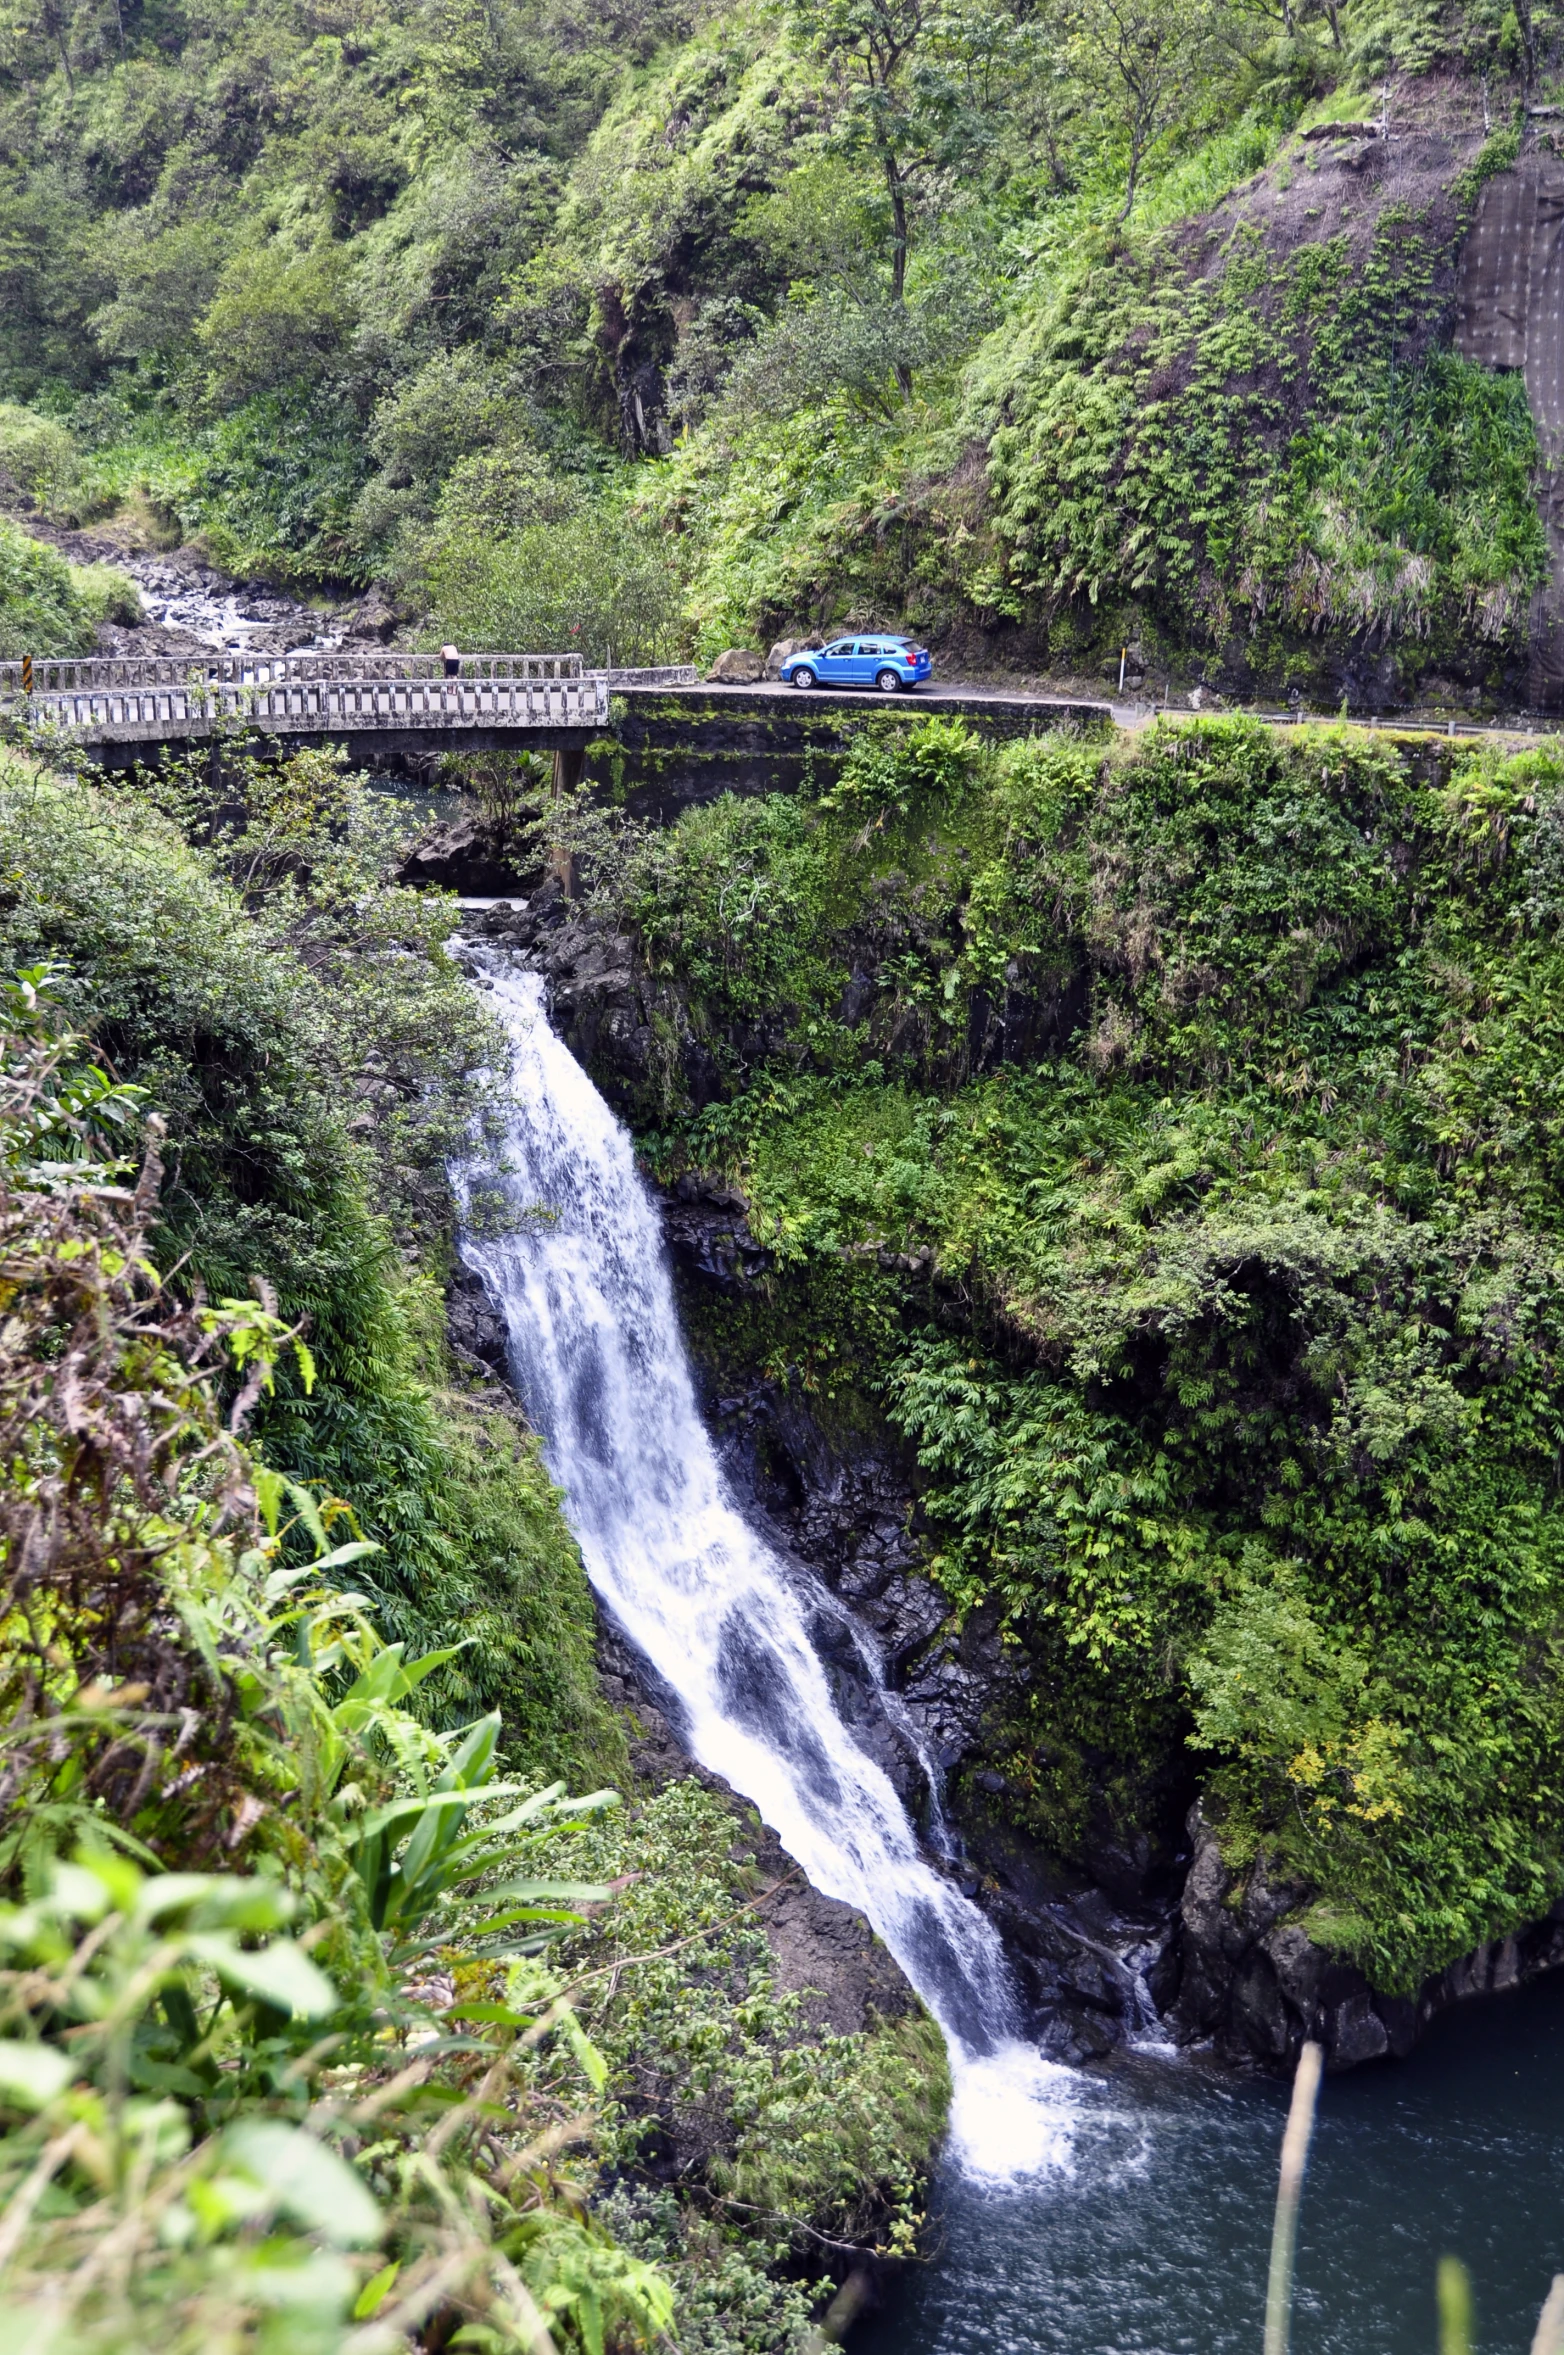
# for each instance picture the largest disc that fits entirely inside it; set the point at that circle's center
(1043, 330)
(1163, 1137)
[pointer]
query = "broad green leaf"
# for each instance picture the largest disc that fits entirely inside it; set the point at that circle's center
(374, 2292)
(306, 2180)
(32, 2075)
(472, 1765)
(533, 1892)
(94, 1884)
(593, 2066)
(279, 1974)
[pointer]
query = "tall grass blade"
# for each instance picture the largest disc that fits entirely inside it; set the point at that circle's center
(1455, 2308)
(1289, 2190)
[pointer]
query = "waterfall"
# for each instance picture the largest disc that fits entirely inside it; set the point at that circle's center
(568, 1244)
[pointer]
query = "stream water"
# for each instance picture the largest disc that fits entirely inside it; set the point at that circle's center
(231, 617)
(1124, 2211)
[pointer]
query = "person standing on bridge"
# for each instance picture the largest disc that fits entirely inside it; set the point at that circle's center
(452, 660)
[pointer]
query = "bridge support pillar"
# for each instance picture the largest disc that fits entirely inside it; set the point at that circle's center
(569, 765)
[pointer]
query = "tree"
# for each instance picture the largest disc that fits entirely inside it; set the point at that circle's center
(1145, 61)
(920, 83)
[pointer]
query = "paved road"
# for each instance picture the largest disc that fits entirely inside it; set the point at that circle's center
(959, 693)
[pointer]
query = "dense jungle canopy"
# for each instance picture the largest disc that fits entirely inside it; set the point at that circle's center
(1037, 328)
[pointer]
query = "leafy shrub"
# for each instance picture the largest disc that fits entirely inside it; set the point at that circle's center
(109, 594)
(45, 607)
(36, 452)
(908, 772)
(175, 1695)
(730, 899)
(261, 1034)
(581, 586)
(793, 2127)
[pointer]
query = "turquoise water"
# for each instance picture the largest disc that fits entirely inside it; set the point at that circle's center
(1152, 2237)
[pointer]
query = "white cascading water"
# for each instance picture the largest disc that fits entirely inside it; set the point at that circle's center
(577, 1266)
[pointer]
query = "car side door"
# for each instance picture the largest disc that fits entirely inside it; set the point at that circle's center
(866, 661)
(836, 662)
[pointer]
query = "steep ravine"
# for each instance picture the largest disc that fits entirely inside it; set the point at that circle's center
(1214, 1955)
(1155, 1933)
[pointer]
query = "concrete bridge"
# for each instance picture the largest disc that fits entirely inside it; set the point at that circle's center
(377, 704)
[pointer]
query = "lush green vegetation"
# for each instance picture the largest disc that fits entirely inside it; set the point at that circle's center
(232, 1855)
(279, 2019)
(312, 1052)
(624, 330)
(1167, 1132)
(778, 2119)
(48, 606)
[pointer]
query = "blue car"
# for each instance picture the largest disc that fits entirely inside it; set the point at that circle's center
(889, 663)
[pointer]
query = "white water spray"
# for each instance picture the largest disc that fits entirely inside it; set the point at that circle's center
(578, 1268)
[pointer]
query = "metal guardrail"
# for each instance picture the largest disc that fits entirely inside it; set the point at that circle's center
(108, 700)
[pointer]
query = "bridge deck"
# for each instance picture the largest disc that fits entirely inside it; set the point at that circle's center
(114, 701)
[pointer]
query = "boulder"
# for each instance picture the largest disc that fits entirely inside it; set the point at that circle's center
(1253, 1982)
(372, 617)
(466, 856)
(780, 652)
(739, 667)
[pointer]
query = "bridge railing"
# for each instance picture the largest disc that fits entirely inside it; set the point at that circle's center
(357, 705)
(94, 674)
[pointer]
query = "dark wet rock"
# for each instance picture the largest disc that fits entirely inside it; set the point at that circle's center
(634, 1031)
(708, 1233)
(1088, 1969)
(464, 855)
(139, 640)
(475, 1327)
(608, 1010)
(371, 617)
(1254, 1984)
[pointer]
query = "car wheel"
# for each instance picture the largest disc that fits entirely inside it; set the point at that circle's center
(888, 682)
(803, 676)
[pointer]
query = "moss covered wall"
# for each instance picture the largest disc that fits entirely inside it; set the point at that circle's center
(675, 749)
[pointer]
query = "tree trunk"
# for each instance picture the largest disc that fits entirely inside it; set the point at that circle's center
(898, 197)
(896, 187)
(1136, 151)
